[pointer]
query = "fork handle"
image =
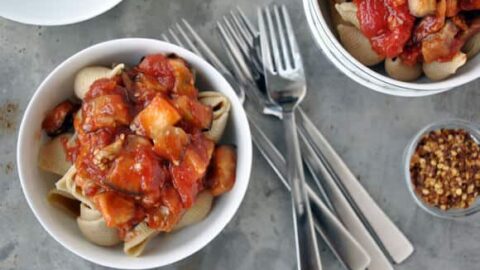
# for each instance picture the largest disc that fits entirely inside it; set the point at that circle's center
(393, 240)
(340, 241)
(308, 256)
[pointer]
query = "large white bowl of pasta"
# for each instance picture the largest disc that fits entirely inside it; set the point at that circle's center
(127, 160)
(428, 46)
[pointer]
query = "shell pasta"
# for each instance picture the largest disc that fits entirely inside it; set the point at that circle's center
(411, 37)
(138, 150)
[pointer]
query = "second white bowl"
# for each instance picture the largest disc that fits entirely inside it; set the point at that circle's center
(318, 17)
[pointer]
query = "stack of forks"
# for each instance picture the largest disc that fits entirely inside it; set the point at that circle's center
(349, 221)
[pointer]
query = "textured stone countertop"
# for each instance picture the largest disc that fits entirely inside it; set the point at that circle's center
(369, 130)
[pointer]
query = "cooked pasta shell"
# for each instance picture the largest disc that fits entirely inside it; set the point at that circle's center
(62, 192)
(88, 213)
(198, 211)
(221, 108)
(397, 70)
(421, 8)
(64, 201)
(67, 184)
(358, 45)
(64, 184)
(93, 227)
(97, 232)
(52, 156)
(441, 70)
(334, 16)
(472, 46)
(138, 239)
(86, 76)
(348, 13)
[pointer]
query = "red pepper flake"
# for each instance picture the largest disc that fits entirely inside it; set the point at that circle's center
(445, 169)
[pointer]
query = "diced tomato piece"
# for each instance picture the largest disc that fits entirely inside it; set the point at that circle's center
(145, 82)
(199, 154)
(90, 143)
(388, 24)
(115, 209)
(107, 111)
(146, 88)
(186, 183)
(166, 216)
(171, 143)
(137, 171)
(186, 176)
(439, 45)
(157, 65)
(102, 87)
(222, 175)
(184, 79)
(372, 16)
(194, 112)
(125, 174)
(59, 119)
(158, 115)
(97, 139)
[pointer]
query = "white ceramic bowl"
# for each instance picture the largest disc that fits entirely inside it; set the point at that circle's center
(164, 249)
(318, 17)
(53, 12)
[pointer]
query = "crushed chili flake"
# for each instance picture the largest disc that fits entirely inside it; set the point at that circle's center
(445, 169)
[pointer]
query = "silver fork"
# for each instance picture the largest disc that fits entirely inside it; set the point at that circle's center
(339, 240)
(318, 167)
(350, 254)
(344, 189)
(285, 83)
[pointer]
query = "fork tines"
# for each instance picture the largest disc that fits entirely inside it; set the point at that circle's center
(185, 36)
(245, 37)
(279, 47)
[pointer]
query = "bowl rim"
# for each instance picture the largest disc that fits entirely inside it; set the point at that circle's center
(344, 65)
(451, 123)
(245, 138)
(363, 74)
(65, 21)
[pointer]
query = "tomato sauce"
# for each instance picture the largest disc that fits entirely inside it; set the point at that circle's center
(139, 149)
(469, 4)
(57, 119)
(387, 23)
(394, 32)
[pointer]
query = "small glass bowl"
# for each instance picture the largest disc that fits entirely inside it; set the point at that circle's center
(474, 131)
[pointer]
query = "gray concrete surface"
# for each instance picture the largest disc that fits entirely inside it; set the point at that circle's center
(368, 129)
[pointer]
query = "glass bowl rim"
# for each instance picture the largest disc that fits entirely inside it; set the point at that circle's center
(474, 130)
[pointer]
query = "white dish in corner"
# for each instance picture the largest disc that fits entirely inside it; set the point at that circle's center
(53, 12)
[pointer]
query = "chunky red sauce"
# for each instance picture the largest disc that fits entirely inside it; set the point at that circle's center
(139, 149)
(387, 23)
(58, 118)
(393, 31)
(469, 4)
